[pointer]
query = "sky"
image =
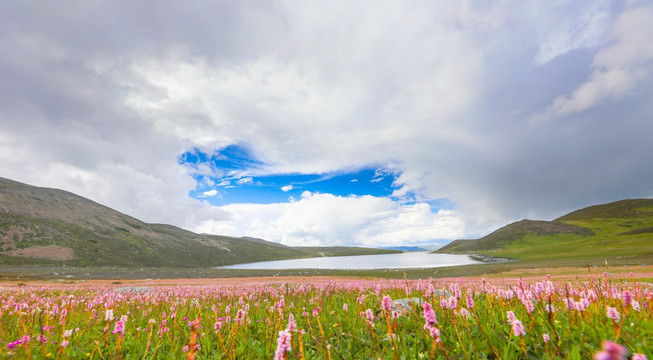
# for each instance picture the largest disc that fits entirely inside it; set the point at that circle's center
(367, 123)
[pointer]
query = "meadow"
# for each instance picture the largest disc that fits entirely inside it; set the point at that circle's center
(465, 318)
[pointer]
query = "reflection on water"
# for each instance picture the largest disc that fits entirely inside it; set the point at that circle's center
(415, 259)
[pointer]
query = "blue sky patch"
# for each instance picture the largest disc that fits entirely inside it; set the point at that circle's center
(231, 179)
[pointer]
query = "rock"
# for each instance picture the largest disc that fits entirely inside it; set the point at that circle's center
(405, 307)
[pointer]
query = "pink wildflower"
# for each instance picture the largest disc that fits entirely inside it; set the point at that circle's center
(453, 302)
(443, 303)
(611, 351)
(119, 328)
(613, 314)
(283, 344)
(387, 303)
(470, 302)
(369, 316)
(511, 316)
(64, 343)
(627, 297)
(429, 314)
(292, 327)
(639, 357)
(464, 313)
(240, 315)
(518, 328)
(546, 338)
(344, 307)
(435, 333)
(430, 321)
(636, 305)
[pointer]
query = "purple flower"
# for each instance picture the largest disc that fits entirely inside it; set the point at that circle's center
(546, 338)
(639, 357)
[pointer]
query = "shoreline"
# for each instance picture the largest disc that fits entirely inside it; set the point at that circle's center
(491, 259)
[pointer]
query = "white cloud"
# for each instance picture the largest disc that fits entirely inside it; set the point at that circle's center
(224, 183)
(286, 188)
(317, 219)
(210, 193)
(247, 180)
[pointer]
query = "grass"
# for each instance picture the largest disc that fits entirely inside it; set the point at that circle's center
(617, 232)
(470, 318)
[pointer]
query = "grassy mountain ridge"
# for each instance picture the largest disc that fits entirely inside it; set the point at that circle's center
(50, 226)
(622, 229)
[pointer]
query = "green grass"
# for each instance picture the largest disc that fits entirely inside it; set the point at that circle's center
(617, 232)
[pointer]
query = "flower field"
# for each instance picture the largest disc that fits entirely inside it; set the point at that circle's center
(343, 319)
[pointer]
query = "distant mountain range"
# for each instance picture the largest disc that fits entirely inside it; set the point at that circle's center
(50, 226)
(618, 230)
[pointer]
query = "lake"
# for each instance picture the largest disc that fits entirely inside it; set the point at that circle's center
(413, 259)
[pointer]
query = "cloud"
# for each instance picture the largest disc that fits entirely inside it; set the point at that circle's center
(97, 101)
(584, 26)
(210, 193)
(286, 188)
(247, 180)
(317, 219)
(618, 69)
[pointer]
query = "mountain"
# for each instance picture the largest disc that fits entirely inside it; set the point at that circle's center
(50, 226)
(621, 229)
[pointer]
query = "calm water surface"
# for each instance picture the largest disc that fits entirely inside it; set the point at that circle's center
(415, 259)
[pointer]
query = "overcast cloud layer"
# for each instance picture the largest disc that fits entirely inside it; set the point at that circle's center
(505, 109)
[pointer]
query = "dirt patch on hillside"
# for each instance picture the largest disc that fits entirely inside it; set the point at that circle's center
(49, 252)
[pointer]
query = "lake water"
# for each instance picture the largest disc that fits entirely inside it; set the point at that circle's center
(414, 259)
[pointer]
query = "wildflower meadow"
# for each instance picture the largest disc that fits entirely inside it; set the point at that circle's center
(340, 319)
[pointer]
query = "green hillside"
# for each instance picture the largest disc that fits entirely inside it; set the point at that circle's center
(622, 229)
(50, 226)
